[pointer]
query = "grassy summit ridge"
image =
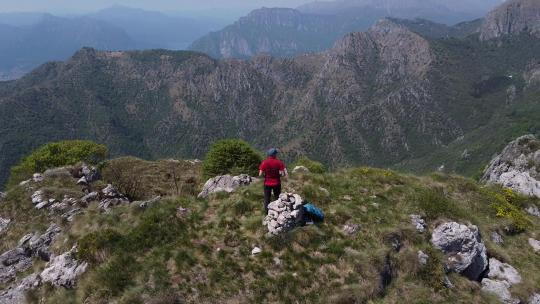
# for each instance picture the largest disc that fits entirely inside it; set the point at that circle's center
(202, 253)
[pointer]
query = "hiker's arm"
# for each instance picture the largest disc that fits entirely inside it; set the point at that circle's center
(284, 172)
(260, 172)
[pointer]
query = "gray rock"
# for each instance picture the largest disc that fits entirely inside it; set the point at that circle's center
(37, 177)
(63, 270)
(70, 215)
(516, 167)
(447, 283)
(497, 238)
(82, 181)
(284, 214)
(38, 245)
(535, 244)
(4, 223)
(534, 299)
(465, 253)
(90, 173)
(225, 183)
(15, 294)
(112, 198)
(90, 197)
(500, 289)
(2, 196)
(13, 262)
(300, 169)
(423, 258)
(533, 210)
(351, 229)
(148, 203)
(256, 251)
(38, 197)
(418, 222)
(503, 272)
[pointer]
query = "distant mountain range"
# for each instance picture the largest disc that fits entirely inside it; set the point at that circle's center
(317, 26)
(28, 40)
(401, 94)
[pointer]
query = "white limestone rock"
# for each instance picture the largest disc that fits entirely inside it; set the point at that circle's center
(463, 247)
(225, 183)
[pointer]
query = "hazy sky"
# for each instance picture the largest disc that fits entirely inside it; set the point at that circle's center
(77, 6)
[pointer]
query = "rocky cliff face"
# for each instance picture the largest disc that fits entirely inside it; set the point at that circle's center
(511, 18)
(517, 167)
(278, 31)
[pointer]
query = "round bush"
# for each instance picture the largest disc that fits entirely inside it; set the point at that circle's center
(231, 156)
(57, 154)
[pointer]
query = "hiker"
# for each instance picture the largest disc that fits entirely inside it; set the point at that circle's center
(273, 169)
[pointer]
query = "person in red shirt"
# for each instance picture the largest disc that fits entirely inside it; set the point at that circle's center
(272, 169)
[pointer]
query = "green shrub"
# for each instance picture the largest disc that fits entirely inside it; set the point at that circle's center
(96, 246)
(231, 156)
(57, 154)
(313, 166)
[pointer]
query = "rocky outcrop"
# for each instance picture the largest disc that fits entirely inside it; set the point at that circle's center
(512, 18)
(517, 167)
(2, 196)
(19, 259)
(284, 214)
(534, 299)
(465, 253)
(225, 183)
(63, 270)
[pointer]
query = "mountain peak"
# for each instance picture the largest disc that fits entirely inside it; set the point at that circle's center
(511, 18)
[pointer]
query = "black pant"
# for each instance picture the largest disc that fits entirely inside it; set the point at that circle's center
(268, 193)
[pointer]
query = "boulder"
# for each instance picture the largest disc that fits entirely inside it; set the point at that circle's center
(535, 244)
(4, 223)
(2, 196)
(534, 299)
(300, 169)
(418, 222)
(500, 289)
(503, 272)
(464, 250)
(284, 214)
(63, 270)
(225, 183)
(516, 167)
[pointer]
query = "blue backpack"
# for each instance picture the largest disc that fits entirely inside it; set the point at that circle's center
(314, 213)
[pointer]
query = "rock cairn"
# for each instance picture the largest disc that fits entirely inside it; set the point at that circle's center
(284, 214)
